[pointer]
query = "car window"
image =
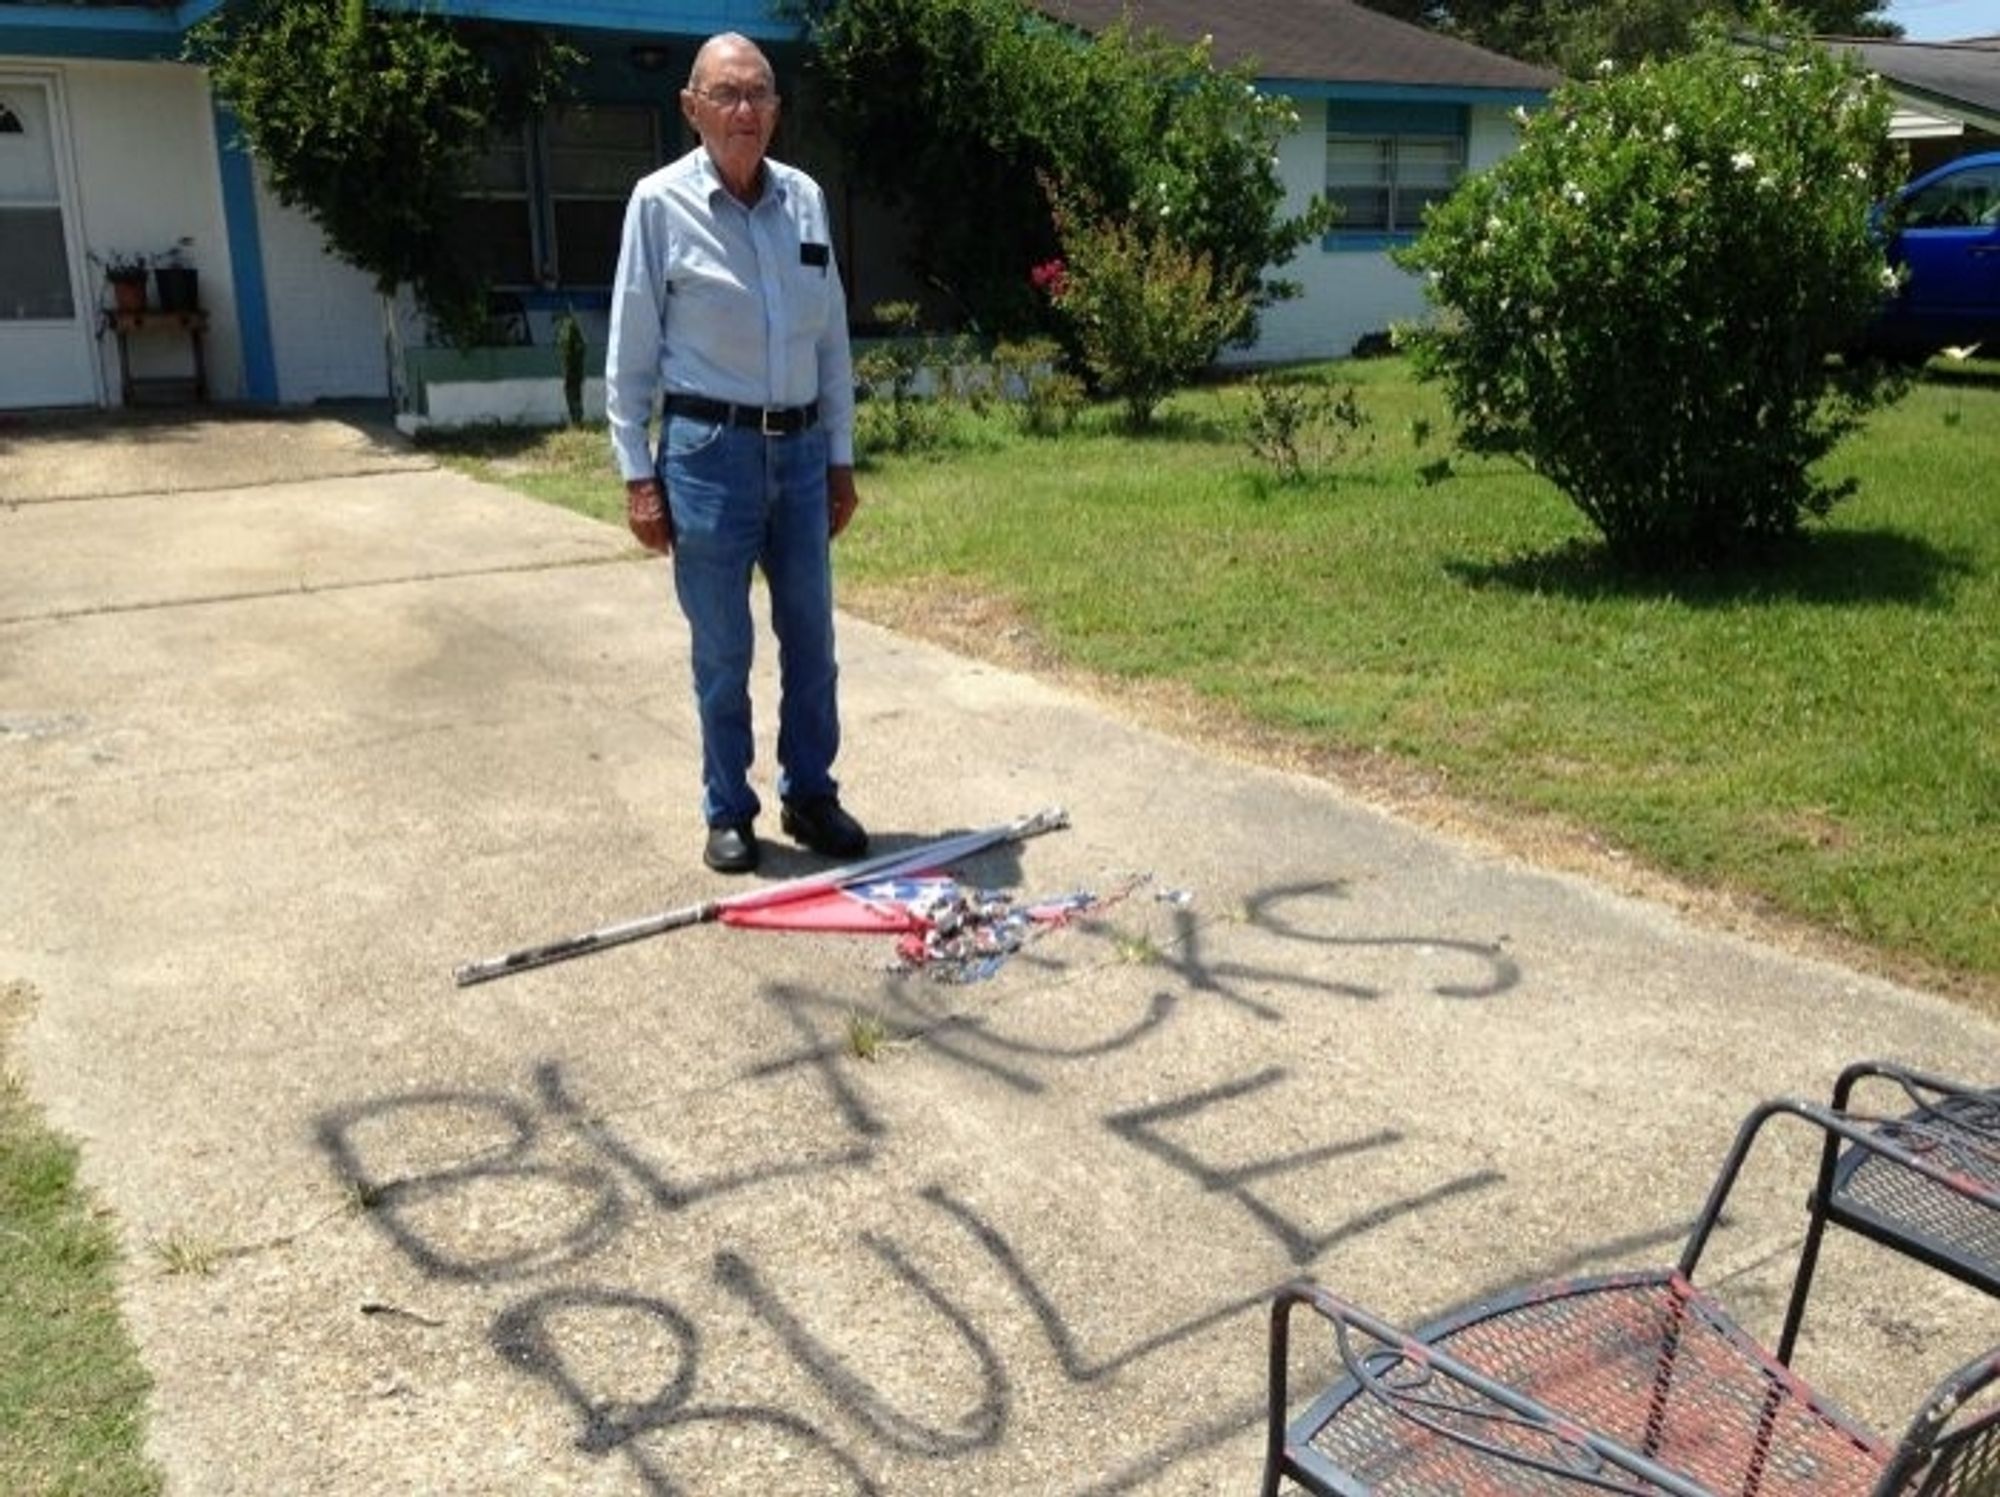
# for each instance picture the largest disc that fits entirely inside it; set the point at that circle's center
(1961, 200)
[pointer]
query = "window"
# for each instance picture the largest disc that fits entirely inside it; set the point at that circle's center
(547, 208)
(1386, 162)
(34, 258)
(1965, 199)
(594, 157)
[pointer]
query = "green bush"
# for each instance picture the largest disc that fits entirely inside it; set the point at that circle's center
(370, 122)
(1299, 426)
(1047, 396)
(892, 416)
(1642, 301)
(951, 109)
(1147, 311)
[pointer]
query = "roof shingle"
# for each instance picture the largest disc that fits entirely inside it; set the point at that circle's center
(1317, 41)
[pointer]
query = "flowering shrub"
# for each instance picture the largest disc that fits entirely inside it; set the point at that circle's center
(1642, 300)
(1147, 312)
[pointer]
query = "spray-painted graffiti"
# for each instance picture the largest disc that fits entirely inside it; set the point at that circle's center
(683, 1334)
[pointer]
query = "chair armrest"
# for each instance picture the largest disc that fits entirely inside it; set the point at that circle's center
(1486, 1422)
(1923, 1089)
(1875, 1137)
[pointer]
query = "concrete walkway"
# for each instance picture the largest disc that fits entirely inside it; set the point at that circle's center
(294, 723)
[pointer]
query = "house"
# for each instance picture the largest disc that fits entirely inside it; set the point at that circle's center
(1947, 94)
(1390, 116)
(110, 143)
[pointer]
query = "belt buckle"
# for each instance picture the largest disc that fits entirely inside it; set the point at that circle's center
(764, 421)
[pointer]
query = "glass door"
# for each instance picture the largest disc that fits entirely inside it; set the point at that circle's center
(47, 343)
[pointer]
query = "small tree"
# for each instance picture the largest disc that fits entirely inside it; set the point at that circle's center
(1642, 301)
(371, 121)
(1148, 312)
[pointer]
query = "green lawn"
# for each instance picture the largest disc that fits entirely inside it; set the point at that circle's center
(72, 1393)
(1822, 738)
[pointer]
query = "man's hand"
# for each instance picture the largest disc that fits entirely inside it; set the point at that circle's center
(646, 513)
(843, 500)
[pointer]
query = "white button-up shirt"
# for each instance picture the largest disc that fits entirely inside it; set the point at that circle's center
(728, 302)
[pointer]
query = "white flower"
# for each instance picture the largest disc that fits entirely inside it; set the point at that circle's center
(1670, 131)
(1520, 114)
(1574, 193)
(1889, 278)
(1743, 161)
(1751, 80)
(1606, 65)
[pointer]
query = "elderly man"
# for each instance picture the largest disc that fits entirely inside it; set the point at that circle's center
(727, 304)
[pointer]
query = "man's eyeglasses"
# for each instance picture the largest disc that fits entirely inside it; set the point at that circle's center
(727, 98)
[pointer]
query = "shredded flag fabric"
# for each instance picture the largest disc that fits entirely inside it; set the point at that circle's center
(946, 929)
(867, 907)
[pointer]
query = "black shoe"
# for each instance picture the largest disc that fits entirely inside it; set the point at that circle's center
(820, 824)
(731, 848)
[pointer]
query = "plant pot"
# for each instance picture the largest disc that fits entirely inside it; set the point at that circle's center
(179, 287)
(128, 293)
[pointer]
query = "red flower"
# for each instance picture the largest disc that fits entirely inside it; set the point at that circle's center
(1051, 278)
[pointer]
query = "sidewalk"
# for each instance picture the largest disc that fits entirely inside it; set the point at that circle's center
(289, 728)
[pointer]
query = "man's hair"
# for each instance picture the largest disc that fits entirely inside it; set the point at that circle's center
(716, 43)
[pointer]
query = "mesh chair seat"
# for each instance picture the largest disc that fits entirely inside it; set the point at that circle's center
(1642, 1383)
(1876, 1195)
(1642, 1360)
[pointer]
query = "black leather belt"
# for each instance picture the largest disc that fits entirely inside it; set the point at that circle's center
(771, 420)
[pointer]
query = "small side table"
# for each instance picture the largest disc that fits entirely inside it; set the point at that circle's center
(193, 323)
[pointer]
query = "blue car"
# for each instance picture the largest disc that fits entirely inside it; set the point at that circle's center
(1944, 240)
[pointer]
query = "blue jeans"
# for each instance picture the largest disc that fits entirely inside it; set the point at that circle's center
(740, 501)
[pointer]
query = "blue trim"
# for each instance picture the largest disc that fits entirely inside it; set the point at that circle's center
(757, 19)
(246, 261)
(133, 33)
(1369, 241)
(1405, 93)
(118, 33)
(90, 18)
(1402, 117)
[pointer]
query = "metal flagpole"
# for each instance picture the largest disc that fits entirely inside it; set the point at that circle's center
(883, 865)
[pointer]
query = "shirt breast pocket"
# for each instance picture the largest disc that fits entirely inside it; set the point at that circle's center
(810, 286)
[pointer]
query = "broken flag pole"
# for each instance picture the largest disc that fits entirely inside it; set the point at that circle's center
(884, 866)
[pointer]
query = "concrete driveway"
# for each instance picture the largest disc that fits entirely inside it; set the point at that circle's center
(292, 723)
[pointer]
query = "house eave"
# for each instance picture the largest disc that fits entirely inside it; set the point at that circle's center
(127, 33)
(1383, 91)
(138, 33)
(1938, 104)
(756, 19)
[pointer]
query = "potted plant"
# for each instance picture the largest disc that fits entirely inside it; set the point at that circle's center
(125, 272)
(177, 281)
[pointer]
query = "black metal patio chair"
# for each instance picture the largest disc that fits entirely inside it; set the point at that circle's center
(1956, 1127)
(1637, 1382)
